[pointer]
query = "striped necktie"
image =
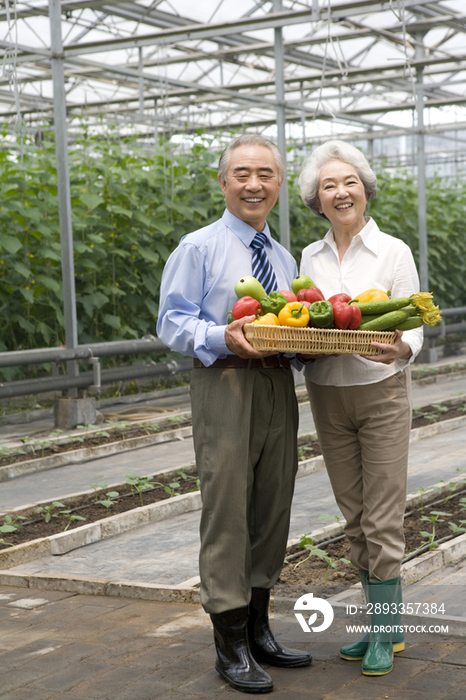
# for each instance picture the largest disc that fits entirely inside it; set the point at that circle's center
(262, 269)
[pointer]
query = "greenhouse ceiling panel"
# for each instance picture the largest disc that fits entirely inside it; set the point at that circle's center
(177, 67)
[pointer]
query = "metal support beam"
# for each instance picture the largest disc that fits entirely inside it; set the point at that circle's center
(141, 83)
(63, 177)
(283, 199)
(421, 172)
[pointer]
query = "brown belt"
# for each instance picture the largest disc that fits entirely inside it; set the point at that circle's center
(235, 362)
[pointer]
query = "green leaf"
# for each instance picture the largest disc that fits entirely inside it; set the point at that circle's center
(162, 226)
(22, 269)
(153, 308)
(10, 244)
(91, 200)
(28, 294)
(113, 321)
(149, 254)
(49, 282)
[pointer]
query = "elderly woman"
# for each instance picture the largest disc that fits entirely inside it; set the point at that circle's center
(361, 405)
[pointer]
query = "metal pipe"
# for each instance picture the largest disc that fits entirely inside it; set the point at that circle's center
(82, 352)
(63, 177)
(442, 329)
(458, 311)
(421, 170)
(283, 199)
(86, 379)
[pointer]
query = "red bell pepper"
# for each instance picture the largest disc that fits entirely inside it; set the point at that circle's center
(246, 306)
(339, 297)
(311, 295)
(346, 316)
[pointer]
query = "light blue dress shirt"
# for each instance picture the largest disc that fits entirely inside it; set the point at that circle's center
(198, 285)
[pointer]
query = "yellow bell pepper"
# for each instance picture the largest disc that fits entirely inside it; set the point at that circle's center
(294, 314)
(267, 320)
(372, 295)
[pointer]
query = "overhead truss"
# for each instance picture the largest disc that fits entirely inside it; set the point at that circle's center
(177, 66)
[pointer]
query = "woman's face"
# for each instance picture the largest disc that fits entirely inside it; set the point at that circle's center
(341, 195)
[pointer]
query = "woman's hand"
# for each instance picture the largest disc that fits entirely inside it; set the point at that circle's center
(398, 351)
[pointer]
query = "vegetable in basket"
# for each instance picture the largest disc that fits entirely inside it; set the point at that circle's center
(346, 316)
(294, 314)
(273, 303)
(267, 320)
(246, 306)
(301, 282)
(321, 314)
(249, 286)
(372, 295)
(311, 295)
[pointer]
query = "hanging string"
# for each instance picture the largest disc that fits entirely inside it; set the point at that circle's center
(408, 69)
(9, 70)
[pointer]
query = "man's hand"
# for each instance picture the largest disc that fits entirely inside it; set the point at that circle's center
(398, 351)
(237, 343)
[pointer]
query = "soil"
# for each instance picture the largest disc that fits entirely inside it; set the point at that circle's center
(299, 570)
(313, 571)
(39, 449)
(88, 507)
(42, 447)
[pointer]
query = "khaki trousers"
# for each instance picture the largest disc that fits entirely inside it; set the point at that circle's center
(245, 428)
(364, 436)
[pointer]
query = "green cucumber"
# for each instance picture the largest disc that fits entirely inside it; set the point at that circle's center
(369, 317)
(409, 324)
(381, 307)
(388, 320)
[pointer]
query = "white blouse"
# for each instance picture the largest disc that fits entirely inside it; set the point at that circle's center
(374, 259)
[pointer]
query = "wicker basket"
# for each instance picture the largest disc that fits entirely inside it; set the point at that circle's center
(316, 341)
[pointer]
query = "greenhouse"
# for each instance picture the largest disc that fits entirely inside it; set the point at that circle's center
(117, 98)
(233, 349)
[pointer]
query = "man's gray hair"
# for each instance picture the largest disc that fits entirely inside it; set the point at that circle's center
(250, 140)
(333, 150)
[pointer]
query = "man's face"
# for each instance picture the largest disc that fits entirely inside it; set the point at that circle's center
(252, 185)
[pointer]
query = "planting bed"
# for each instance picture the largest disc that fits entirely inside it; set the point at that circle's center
(88, 507)
(40, 448)
(44, 447)
(298, 572)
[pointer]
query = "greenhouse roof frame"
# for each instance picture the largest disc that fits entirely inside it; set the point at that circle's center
(354, 64)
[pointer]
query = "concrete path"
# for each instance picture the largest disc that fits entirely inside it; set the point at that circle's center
(63, 646)
(166, 552)
(74, 478)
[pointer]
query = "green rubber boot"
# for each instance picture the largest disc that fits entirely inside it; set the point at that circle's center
(357, 650)
(378, 659)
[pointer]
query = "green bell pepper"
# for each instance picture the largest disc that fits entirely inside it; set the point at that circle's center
(321, 314)
(273, 303)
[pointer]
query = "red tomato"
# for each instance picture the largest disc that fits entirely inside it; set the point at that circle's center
(246, 306)
(289, 295)
(339, 297)
(311, 295)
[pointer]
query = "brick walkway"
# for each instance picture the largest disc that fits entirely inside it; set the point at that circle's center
(61, 645)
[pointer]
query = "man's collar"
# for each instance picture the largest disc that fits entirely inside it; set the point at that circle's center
(244, 231)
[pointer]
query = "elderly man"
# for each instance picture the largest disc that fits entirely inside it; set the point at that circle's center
(244, 412)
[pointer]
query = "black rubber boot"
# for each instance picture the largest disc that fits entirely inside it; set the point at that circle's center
(264, 646)
(235, 662)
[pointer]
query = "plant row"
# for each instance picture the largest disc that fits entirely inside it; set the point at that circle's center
(130, 207)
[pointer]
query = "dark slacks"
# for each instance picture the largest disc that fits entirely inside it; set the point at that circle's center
(245, 428)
